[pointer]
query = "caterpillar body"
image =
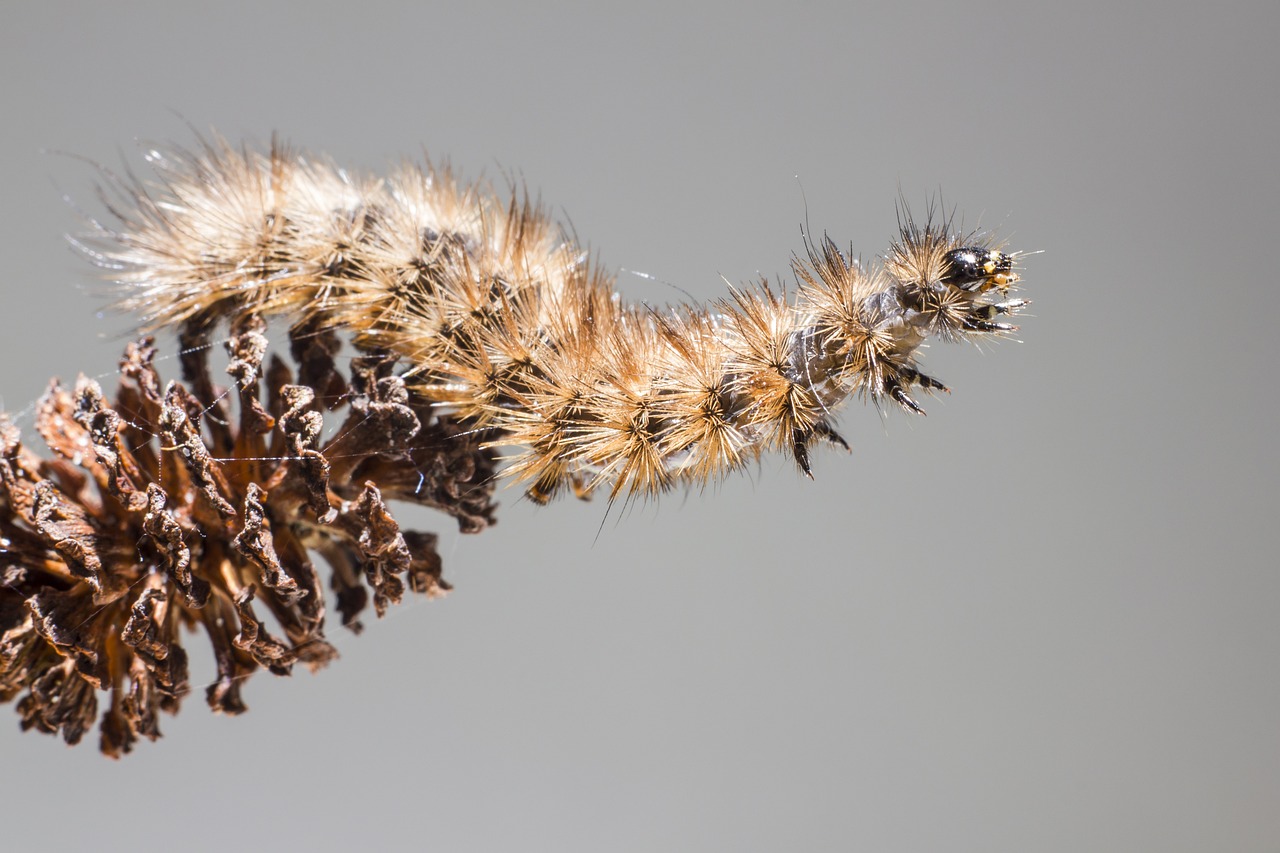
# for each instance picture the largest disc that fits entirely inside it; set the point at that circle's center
(509, 323)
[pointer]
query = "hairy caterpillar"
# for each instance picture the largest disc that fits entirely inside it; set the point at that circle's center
(510, 325)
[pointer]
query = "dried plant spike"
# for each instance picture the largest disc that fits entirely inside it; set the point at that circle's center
(506, 321)
(150, 519)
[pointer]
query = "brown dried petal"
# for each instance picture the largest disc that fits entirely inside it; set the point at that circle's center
(386, 554)
(159, 659)
(59, 699)
(103, 424)
(257, 641)
(141, 704)
(426, 569)
(380, 423)
(166, 535)
(254, 542)
(233, 665)
(254, 419)
(181, 434)
(302, 619)
(344, 560)
(81, 643)
(142, 632)
(247, 347)
(56, 423)
(138, 365)
(16, 632)
(302, 425)
(66, 527)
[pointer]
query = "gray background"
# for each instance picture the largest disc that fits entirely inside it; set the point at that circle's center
(1043, 618)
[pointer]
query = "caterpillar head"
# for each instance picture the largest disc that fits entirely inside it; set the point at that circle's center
(977, 270)
(958, 284)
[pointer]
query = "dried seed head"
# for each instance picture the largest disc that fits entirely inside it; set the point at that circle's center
(162, 512)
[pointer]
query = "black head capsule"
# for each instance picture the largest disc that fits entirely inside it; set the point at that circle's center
(978, 270)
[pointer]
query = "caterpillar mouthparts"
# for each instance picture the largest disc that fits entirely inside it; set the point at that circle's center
(511, 326)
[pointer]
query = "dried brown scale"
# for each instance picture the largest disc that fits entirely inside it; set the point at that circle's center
(140, 632)
(162, 512)
(386, 553)
(167, 537)
(178, 428)
(254, 542)
(302, 426)
(255, 639)
(119, 474)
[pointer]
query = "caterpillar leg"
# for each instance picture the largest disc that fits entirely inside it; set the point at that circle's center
(581, 487)
(553, 481)
(898, 393)
(974, 324)
(800, 443)
(915, 377)
(896, 385)
(981, 317)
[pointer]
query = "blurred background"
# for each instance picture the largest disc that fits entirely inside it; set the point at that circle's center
(1042, 618)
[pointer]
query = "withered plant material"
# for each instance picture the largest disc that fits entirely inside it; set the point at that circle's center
(171, 511)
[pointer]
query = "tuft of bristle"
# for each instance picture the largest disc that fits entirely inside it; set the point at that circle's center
(508, 323)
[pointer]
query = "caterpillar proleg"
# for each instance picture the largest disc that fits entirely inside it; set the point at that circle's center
(507, 322)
